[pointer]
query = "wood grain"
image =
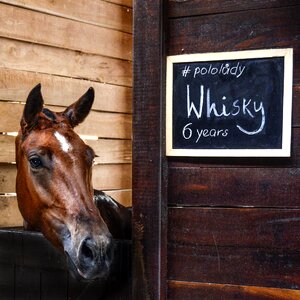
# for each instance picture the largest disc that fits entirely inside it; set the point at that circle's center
(122, 196)
(15, 86)
(199, 7)
(24, 56)
(111, 151)
(178, 290)
(101, 124)
(239, 266)
(263, 187)
(27, 25)
(10, 215)
(101, 13)
(112, 177)
(7, 146)
(235, 227)
(105, 177)
(149, 206)
(237, 31)
(7, 178)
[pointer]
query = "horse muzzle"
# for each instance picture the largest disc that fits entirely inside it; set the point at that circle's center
(92, 259)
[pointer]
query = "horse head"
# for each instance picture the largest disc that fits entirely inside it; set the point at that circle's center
(54, 189)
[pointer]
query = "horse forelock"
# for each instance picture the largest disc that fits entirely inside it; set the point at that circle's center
(44, 120)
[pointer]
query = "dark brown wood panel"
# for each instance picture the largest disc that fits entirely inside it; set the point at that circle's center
(263, 187)
(270, 28)
(296, 105)
(234, 265)
(234, 227)
(234, 246)
(149, 207)
(179, 290)
(177, 8)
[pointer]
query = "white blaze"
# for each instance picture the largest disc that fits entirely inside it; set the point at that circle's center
(65, 145)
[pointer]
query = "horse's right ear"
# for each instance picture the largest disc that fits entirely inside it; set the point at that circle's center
(34, 105)
(78, 111)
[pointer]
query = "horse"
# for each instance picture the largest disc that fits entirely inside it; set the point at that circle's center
(54, 188)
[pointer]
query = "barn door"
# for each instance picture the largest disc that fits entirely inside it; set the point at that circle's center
(211, 228)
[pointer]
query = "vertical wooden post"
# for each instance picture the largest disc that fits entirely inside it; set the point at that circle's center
(149, 201)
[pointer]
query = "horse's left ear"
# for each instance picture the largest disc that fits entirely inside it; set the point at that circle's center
(78, 111)
(34, 105)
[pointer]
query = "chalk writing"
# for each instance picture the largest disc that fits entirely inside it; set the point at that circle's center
(229, 108)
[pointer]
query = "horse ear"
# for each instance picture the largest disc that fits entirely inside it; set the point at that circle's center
(78, 111)
(34, 105)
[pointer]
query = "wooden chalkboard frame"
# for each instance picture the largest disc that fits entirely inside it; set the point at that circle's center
(283, 151)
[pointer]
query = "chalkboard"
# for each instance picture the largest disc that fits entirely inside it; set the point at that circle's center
(229, 104)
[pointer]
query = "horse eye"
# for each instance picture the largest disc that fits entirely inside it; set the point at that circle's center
(35, 162)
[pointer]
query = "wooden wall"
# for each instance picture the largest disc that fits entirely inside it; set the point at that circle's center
(233, 224)
(211, 228)
(68, 46)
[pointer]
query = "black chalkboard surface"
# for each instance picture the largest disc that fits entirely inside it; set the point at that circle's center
(237, 106)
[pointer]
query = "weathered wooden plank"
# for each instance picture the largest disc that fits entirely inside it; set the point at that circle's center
(111, 151)
(149, 187)
(101, 13)
(296, 105)
(106, 125)
(31, 57)
(122, 196)
(105, 177)
(263, 187)
(237, 31)
(28, 25)
(15, 86)
(178, 290)
(234, 265)
(112, 177)
(7, 146)
(199, 7)
(108, 151)
(244, 227)
(10, 215)
(100, 124)
(7, 178)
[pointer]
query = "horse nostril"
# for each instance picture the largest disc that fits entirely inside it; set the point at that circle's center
(87, 251)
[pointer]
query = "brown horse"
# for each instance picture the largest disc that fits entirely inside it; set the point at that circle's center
(54, 189)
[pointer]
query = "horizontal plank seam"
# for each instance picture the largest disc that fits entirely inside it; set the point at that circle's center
(258, 165)
(70, 77)
(93, 110)
(201, 284)
(270, 248)
(63, 16)
(232, 12)
(59, 47)
(233, 207)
